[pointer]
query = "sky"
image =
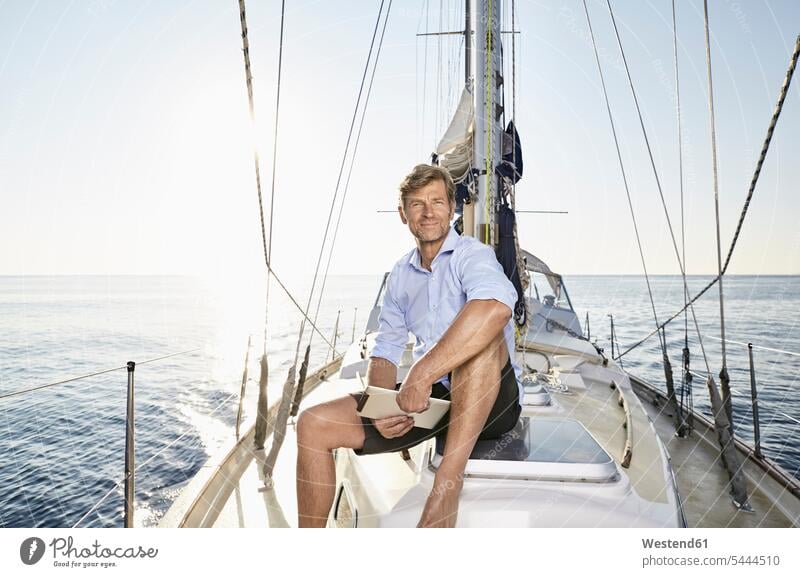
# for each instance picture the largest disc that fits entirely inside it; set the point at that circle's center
(126, 145)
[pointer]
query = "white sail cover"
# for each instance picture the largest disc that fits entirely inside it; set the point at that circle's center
(455, 147)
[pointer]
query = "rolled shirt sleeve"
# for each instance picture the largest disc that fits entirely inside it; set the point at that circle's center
(390, 342)
(482, 277)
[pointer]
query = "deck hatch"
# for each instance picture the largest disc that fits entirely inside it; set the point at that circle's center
(543, 449)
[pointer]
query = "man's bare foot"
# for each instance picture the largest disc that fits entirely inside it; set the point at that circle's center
(441, 508)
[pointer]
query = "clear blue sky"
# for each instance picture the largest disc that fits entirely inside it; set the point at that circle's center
(126, 147)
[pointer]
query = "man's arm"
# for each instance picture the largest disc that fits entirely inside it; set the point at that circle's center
(476, 325)
(390, 342)
(386, 355)
(381, 373)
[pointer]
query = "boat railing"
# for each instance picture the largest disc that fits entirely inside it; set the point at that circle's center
(127, 480)
(754, 400)
(750, 397)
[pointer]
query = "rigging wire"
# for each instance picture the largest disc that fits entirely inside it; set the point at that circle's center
(416, 87)
(119, 483)
(716, 185)
(336, 190)
(102, 372)
(622, 169)
(439, 107)
(782, 351)
(425, 65)
(764, 149)
(658, 185)
(293, 388)
(514, 73)
(449, 62)
(267, 260)
(274, 165)
(352, 164)
(686, 377)
(680, 166)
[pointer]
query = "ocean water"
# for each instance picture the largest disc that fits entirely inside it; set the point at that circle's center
(62, 447)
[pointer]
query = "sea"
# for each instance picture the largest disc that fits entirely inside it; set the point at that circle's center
(65, 342)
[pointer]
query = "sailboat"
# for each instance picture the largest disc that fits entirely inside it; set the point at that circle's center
(594, 446)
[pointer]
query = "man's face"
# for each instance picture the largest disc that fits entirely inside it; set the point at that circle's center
(428, 212)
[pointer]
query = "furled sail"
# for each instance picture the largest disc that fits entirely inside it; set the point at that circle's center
(454, 151)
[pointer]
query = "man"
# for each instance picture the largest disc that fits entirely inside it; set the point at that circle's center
(451, 294)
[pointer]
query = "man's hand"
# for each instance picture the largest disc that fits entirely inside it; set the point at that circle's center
(414, 395)
(392, 427)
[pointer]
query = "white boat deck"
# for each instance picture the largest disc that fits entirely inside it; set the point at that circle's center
(703, 482)
(385, 490)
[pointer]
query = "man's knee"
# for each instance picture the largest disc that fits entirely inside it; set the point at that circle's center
(330, 425)
(312, 426)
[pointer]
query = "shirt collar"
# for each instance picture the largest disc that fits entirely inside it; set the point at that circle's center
(449, 245)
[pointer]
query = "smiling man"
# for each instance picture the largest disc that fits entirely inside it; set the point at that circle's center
(451, 294)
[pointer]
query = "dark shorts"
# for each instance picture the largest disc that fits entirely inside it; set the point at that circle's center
(502, 418)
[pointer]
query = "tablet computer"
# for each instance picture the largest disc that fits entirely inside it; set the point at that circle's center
(379, 403)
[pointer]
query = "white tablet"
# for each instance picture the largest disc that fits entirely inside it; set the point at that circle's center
(379, 403)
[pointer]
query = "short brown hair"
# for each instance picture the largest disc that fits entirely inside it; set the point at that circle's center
(424, 174)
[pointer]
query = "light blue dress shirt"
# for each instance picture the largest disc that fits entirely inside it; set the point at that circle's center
(425, 303)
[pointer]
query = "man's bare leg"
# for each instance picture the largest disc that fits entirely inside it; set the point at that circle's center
(474, 388)
(320, 429)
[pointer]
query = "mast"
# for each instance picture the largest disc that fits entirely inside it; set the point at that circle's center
(468, 43)
(487, 139)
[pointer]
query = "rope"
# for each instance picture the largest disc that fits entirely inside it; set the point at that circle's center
(716, 183)
(622, 169)
(658, 185)
(670, 319)
(764, 149)
(249, 80)
(251, 107)
(23, 391)
(350, 171)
